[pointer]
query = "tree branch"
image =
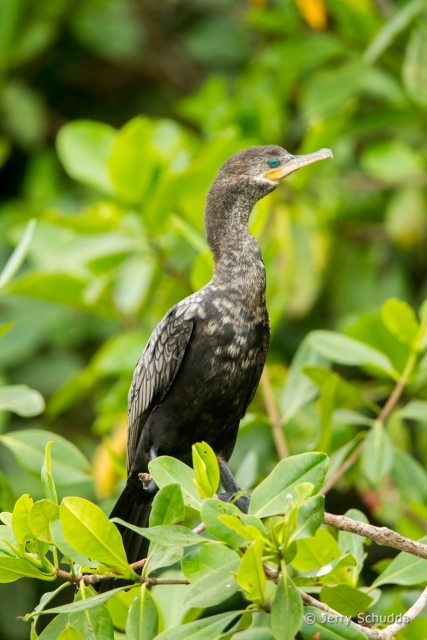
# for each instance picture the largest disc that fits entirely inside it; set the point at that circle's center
(373, 634)
(381, 535)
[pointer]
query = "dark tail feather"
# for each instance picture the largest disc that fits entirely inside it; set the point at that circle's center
(133, 506)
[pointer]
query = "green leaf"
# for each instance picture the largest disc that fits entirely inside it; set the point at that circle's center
(214, 587)
(205, 629)
(46, 476)
(210, 512)
(6, 518)
(352, 543)
(345, 599)
(12, 569)
(64, 289)
(314, 554)
(94, 623)
(40, 517)
(65, 548)
(327, 405)
(88, 530)
(394, 25)
(5, 328)
(298, 389)
(164, 557)
(68, 464)
(273, 494)
(84, 604)
(201, 561)
(84, 147)
(409, 476)
(69, 634)
(250, 575)
(313, 626)
(21, 400)
(206, 469)
(331, 573)
(7, 533)
(118, 607)
(405, 569)
(166, 535)
(414, 67)
(310, 516)
(54, 628)
(344, 350)
(168, 506)
(143, 619)
(18, 256)
(286, 610)
(133, 160)
(392, 161)
(20, 525)
(254, 633)
(415, 410)
(377, 454)
(166, 470)
(400, 320)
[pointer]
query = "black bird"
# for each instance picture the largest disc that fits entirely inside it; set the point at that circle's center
(203, 362)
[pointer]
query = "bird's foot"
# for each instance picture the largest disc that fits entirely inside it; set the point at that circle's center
(242, 502)
(148, 483)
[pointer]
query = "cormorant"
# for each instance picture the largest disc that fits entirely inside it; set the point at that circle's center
(203, 362)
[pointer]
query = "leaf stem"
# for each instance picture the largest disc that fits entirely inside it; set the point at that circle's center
(274, 415)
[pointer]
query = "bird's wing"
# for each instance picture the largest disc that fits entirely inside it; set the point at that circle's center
(260, 362)
(156, 370)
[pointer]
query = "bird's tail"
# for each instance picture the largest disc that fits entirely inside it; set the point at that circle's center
(133, 506)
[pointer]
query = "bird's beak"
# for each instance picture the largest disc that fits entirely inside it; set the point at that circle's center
(296, 162)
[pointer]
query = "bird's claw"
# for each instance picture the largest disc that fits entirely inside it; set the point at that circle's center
(148, 483)
(242, 502)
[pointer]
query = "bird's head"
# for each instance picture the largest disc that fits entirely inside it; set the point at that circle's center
(260, 169)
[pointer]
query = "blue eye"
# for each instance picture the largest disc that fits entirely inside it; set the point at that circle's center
(273, 163)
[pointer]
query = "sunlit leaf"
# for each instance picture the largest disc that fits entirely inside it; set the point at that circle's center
(346, 599)
(205, 629)
(400, 320)
(143, 619)
(84, 147)
(250, 575)
(405, 569)
(68, 464)
(273, 494)
(167, 470)
(214, 587)
(377, 455)
(344, 350)
(314, 624)
(168, 506)
(286, 610)
(201, 560)
(88, 530)
(18, 256)
(21, 400)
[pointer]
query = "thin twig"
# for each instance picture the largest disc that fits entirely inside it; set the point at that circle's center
(386, 412)
(94, 578)
(274, 415)
(381, 535)
(346, 465)
(373, 634)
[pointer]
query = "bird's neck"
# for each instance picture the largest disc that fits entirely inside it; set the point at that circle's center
(237, 255)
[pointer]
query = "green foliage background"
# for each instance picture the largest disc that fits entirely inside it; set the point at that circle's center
(149, 97)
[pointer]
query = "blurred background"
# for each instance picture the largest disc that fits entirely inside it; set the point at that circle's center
(150, 97)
